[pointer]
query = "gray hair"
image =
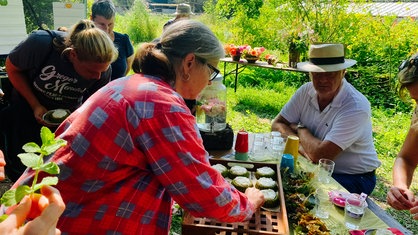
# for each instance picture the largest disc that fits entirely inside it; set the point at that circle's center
(189, 36)
(163, 57)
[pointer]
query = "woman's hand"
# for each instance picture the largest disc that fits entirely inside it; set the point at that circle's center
(45, 224)
(38, 112)
(414, 210)
(400, 199)
(2, 164)
(255, 196)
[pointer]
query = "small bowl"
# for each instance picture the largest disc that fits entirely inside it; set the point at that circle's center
(47, 117)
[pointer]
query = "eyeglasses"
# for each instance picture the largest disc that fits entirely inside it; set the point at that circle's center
(214, 73)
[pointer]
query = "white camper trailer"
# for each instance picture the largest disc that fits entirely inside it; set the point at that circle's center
(12, 25)
(12, 20)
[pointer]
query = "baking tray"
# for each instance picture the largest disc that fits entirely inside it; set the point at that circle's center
(262, 222)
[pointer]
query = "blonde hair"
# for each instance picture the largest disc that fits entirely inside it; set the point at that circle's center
(90, 43)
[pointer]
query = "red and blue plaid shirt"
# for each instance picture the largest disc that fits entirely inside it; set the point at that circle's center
(132, 148)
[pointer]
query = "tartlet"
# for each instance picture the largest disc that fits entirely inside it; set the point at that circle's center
(222, 169)
(266, 183)
(238, 171)
(265, 172)
(271, 198)
(241, 183)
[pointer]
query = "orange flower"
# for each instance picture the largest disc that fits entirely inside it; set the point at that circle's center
(253, 52)
(233, 50)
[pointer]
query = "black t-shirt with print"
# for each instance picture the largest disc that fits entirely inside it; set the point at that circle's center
(55, 82)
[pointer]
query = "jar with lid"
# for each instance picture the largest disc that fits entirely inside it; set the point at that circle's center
(211, 106)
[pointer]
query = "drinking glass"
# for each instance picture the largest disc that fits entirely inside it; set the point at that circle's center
(325, 169)
(354, 211)
(322, 204)
(259, 150)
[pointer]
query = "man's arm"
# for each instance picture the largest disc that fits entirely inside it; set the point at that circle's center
(282, 125)
(315, 149)
(310, 146)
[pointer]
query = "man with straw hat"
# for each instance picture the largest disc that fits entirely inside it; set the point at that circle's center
(183, 11)
(332, 119)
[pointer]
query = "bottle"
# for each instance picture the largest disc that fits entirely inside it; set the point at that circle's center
(211, 106)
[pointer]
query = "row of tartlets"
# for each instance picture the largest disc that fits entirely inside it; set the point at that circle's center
(264, 180)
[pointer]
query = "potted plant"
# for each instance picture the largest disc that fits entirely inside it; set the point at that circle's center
(298, 41)
(234, 51)
(253, 54)
(271, 59)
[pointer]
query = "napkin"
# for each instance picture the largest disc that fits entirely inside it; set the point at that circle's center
(363, 232)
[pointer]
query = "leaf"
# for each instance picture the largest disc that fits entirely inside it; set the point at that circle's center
(30, 160)
(3, 217)
(49, 180)
(47, 136)
(50, 167)
(14, 196)
(31, 148)
(54, 146)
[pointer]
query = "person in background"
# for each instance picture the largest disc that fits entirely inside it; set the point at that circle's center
(103, 15)
(51, 72)
(134, 147)
(183, 11)
(400, 197)
(332, 119)
(45, 224)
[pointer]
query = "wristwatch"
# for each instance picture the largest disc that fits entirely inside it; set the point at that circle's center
(300, 126)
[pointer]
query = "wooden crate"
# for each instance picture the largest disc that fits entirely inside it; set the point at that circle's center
(262, 222)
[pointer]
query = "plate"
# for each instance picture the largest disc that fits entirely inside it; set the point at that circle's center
(47, 117)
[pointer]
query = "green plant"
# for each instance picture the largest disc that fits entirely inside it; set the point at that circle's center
(138, 24)
(299, 39)
(34, 159)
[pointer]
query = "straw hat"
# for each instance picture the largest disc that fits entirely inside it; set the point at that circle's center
(183, 9)
(326, 58)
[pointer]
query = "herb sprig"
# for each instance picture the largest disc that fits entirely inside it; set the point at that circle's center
(34, 158)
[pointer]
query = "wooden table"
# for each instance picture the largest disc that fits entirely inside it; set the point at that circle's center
(242, 64)
(377, 217)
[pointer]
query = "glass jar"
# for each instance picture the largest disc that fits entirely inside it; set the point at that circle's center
(211, 106)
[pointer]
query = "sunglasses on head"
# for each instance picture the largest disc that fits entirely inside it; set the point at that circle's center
(409, 63)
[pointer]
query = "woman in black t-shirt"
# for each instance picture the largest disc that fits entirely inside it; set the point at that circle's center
(51, 70)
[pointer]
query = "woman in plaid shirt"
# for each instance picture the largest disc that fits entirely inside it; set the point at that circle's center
(134, 146)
